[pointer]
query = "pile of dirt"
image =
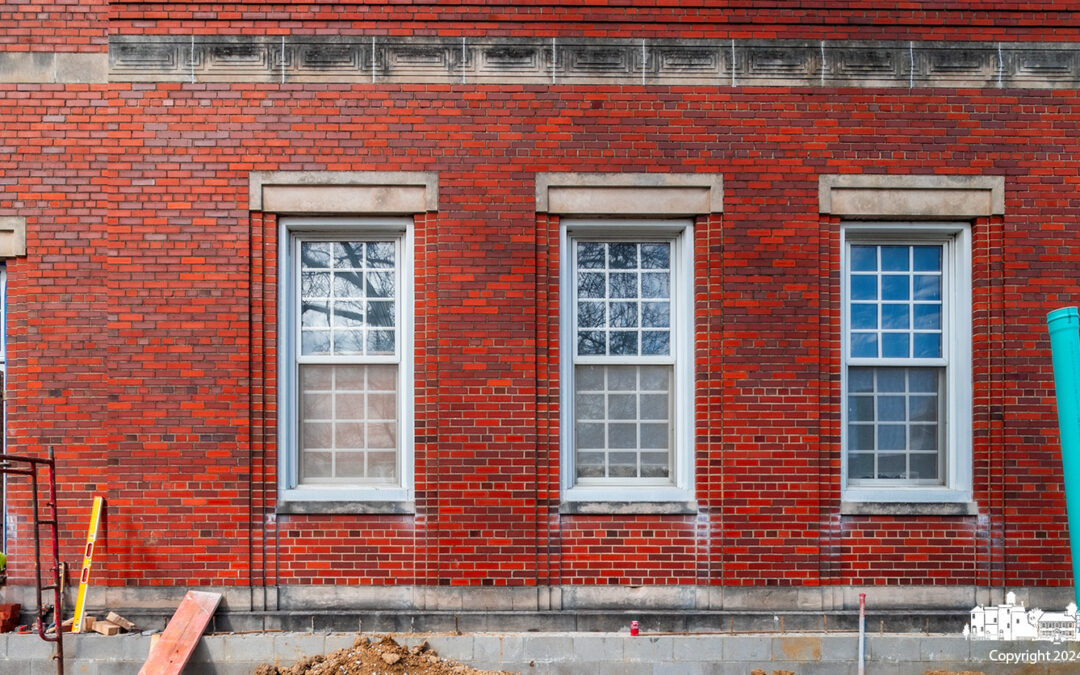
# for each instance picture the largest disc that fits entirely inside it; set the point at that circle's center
(385, 657)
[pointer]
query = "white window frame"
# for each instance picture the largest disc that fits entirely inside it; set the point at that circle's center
(681, 235)
(956, 486)
(292, 230)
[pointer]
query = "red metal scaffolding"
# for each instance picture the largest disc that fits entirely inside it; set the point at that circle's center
(32, 467)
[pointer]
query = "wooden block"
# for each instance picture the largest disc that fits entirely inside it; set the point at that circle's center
(87, 624)
(106, 627)
(169, 654)
(120, 621)
(68, 623)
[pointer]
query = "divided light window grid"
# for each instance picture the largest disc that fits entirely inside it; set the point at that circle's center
(348, 360)
(897, 316)
(623, 362)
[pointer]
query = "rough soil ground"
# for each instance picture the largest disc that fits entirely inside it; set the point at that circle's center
(383, 657)
(386, 657)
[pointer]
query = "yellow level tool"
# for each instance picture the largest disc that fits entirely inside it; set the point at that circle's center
(88, 559)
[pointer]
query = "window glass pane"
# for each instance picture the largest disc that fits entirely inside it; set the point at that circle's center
(622, 406)
(927, 287)
(380, 342)
(348, 285)
(861, 408)
(655, 378)
(924, 408)
(891, 379)
(860, 437)
(654, 406)
(590, 465)
(892, 465)
(927, 345)
(315, 314)
(923, 379)
(624, 315)
(382, 467)
(926, 258)
(622, 465)
(590, 436)
(380, 284)
(860, 379)
(924, 437)
(622, 435)
(895, 258)
(655, 315)
(317, 435)
(891, 437)
(864, 316)
(623, 256)
(895, 287)
(349, 342)
(656, 256)
(864, 258)
(655, 465)
(348, 315)
(380, 254)
(924, 466)
(621, 285)
(655, 344)
(607, 299)
(861, 465)
(864, 287)
(590, 255)
(589, 378)
(927, 317)
(891, 408)
(315, 254)
(315, 342)
(895, 316)
(315, 284)
(589, 406)
(349, 255)
(864, 345)
(895, 345)
(591, 315)
(624, 343)
(590, 285)
(316, 464)
(380, 314)
(656, 285)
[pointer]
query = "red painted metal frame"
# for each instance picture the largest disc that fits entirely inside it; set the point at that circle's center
(10, 464)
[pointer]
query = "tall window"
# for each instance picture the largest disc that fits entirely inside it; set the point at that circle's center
(347, 377)
(626, 323)
(906, 381)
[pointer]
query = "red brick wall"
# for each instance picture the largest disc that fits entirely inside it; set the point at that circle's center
(53, 25)
(142, 328)
(987, 20)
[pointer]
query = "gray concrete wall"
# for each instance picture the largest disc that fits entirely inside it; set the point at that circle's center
(574, 653)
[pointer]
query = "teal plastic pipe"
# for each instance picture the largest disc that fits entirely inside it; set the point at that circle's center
(1064, 325)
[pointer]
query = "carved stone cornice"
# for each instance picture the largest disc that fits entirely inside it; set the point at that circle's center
(751, 63)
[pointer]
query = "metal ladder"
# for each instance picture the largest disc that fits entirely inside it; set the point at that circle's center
(32, 466)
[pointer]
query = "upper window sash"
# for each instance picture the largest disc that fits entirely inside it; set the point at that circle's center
(301, 238)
